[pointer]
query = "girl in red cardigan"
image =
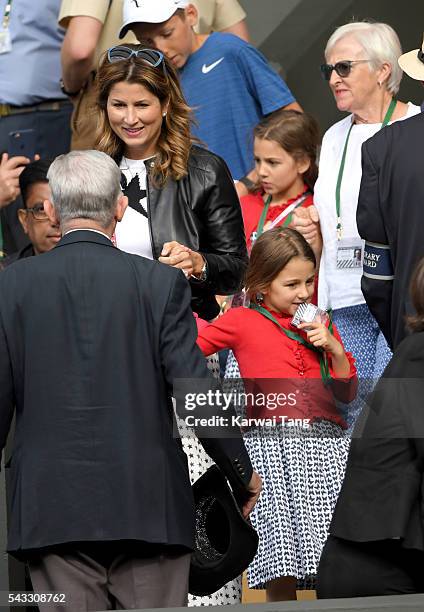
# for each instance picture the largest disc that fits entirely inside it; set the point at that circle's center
(296, 442)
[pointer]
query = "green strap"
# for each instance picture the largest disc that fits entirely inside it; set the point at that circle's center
(287, 221)
(330, 324)
(386, 120)
(298, 202)
(389, 113)
(339, 184)
(6, 16)
(260, 228)
(325, 372)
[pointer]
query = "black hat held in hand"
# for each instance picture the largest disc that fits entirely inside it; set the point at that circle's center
(225, 542)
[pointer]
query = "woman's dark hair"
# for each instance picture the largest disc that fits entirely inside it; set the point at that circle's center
(297, 133)
(416, 322)
(35, 172)
(270, 254)
(175, 139)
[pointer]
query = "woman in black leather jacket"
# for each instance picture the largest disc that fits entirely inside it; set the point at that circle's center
(183, 208)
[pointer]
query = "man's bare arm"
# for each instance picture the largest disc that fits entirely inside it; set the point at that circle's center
(78, 51)
(293, 106)
(239, 29)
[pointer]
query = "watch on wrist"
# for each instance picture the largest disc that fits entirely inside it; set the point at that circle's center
(250, 185)
(203, 273)
(63, 89)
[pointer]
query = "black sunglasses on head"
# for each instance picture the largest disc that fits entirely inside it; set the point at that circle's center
(150, 56)
(343, 68)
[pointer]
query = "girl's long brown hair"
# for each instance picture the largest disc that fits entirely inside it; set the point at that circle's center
(175, 139)
(297, 133)
(272, 251)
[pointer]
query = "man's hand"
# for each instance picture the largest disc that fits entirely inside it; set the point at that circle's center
(179, 256)
(253, 490)
(10, 170)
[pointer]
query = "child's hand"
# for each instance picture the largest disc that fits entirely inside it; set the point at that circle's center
(320, 336)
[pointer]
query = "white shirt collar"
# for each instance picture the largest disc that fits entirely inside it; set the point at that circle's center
(87, 229)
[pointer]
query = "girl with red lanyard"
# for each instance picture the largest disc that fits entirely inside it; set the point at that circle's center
(294, 432)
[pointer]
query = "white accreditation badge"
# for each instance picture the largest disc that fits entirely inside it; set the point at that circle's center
(5, 41)
(350, 253)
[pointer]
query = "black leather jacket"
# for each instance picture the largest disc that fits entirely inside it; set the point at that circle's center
(202, 211)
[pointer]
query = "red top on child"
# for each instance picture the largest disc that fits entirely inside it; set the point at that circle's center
(252, 206)
(279, 364)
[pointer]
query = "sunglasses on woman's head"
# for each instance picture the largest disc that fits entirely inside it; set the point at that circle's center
(150, 56)
(343, 68)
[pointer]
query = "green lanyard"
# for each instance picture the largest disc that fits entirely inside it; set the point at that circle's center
(6, 16)
(260, 228)
(323, 361)
(386, 120)
(298, 202)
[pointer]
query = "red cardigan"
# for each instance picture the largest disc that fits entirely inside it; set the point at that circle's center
(284, 365)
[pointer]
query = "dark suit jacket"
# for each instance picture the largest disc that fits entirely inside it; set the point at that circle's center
(91, 341)
(391, 211)
(382, 493)
(27, 251)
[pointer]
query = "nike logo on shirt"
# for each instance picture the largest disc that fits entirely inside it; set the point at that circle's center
(206, 69)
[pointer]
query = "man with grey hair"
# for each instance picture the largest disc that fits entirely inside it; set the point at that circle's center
(92, 340)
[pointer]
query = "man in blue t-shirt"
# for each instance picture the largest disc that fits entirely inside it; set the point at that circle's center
(227, 82)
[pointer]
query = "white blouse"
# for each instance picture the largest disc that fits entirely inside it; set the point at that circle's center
(339, 288)
(132, 234)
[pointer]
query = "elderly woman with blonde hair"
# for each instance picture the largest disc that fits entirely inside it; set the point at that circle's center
(364, 76)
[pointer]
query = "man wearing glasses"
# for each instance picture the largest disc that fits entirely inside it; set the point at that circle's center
(42, 233)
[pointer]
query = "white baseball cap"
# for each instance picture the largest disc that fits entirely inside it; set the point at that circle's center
(413, 63)
(149, 11)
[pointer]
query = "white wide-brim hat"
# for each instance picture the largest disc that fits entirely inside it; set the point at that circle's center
(148, 11)
(412, 63)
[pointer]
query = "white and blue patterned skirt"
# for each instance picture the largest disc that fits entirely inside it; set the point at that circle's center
(302, 470)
